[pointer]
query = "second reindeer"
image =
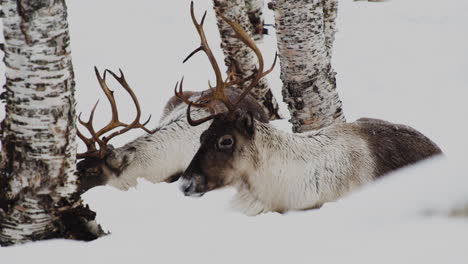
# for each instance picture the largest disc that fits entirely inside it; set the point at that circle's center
(278, 171)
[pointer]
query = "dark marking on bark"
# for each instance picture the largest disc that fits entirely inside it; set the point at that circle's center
(273, 109)
(6, 170)
(14, 121)
(4, 95)
(24, 24)
(272, 5)
(37, 98)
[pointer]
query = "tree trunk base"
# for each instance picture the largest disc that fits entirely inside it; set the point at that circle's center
(68, 220)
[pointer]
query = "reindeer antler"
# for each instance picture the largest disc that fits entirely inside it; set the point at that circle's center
(218, 93)
(92, 151)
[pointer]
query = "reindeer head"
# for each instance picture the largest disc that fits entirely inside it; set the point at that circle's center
(100, 161)
(219, 159)
(223, 156)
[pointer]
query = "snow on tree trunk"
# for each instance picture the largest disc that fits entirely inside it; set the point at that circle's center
(305, 33)
(38, 197)
(239, 58)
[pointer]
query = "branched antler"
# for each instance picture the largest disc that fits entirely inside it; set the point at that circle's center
(98, 137)
(218, 92)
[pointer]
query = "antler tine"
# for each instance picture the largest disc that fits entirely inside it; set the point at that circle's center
(243, 80)
(147, 121)
(95, 136)
(136, 122)
(180, 94)
(203, 44)
(199, 121)
(127, 88)
(229, 77)
(89, 124)
(203, 18)
(191, 54)
(219, 91)
(100, 153)
(250, 77)
(244, 37)
(110, 96)
(89, 142)
(211, 87)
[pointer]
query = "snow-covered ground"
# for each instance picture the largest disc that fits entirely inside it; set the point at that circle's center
(403, 61)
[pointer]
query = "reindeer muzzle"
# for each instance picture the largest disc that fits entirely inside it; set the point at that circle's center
(188, 186)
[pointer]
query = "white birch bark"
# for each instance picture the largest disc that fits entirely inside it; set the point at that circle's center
(238, 57)
(305, 33)
(330, 11)
(37, 165)
(254, 10)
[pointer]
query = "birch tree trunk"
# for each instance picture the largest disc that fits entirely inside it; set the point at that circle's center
(238, 57)
(254, 10)
(38, 198)
(305, 33)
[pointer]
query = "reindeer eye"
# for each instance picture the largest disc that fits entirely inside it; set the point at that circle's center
(225, 142)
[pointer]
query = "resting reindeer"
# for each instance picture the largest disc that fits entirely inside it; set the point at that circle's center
(163, 154)
(277, 171)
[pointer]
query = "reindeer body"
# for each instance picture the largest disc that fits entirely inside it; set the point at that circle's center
(294, 172)
(277, 171)
(160, 157)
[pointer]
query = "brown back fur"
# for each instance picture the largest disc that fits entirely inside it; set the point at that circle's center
(395, 145)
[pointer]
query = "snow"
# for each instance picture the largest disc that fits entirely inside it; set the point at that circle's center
(402, 61)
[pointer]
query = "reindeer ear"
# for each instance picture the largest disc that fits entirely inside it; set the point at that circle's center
(245, 123)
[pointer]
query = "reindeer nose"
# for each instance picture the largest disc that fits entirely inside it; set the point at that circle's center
(188, 186)
(185, 186)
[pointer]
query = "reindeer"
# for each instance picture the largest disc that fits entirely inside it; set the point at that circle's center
(278, 171)
(163, 153)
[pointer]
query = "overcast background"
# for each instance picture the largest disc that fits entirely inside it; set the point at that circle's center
(405, 61)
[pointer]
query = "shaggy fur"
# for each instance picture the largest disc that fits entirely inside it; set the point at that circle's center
(277, 171)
